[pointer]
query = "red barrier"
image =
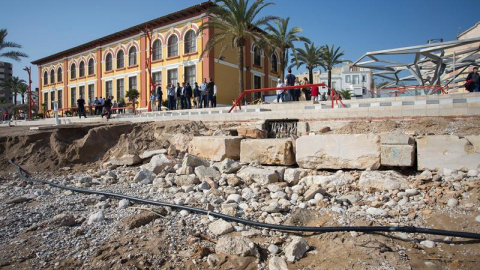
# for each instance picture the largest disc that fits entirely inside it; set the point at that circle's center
(237, 101)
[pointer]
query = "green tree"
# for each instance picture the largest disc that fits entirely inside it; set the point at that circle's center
(281, 39)
(22, 89)
(14, 83)
(15, 55)
(331, 57)
(132, 96)
(311, 57)
(235, 22)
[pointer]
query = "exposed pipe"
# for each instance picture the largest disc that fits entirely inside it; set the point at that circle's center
(405, 229)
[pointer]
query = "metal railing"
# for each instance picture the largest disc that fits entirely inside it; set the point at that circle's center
(414, 90)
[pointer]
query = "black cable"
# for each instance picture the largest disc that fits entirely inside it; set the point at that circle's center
(405, 229)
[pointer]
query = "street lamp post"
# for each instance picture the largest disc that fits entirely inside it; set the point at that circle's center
(29, 91)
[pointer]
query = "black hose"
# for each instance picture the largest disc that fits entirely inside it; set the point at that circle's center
(405, 229)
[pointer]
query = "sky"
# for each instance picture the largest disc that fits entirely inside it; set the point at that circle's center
(357, 26)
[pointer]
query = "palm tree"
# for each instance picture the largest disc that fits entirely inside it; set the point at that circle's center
(7, 44)
(282, 39)
(22, 89)
(330, 58)
(311, 57)
(235, 21)
(14, 83)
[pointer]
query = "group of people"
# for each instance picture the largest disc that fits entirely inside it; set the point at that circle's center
(102, 106)
(186, 96)
(294, 94)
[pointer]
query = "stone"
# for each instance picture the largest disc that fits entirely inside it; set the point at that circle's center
(477, 219)
(296, 249)
(128, 160)
(382, 180)
(427, 243)
(97, 217)
(233, 180)
(258, 175)
(448, 151)
(220, 227)
(452, 202)
(272, 208)
(377, 212)
(324, 129)
(234, 198)
(252, 133)
(293, 175)
(142, 175)
(150, 153)
(215, 148)
(267, 151)
(158, 163)
(141, 219)
(184, 213)
(448, 172)
(425, 175)
(238, 246)
(203, 173)
(396, 139)
(123, 204)
(213, 260)
(186, 180)
(228, 166)
(338, 179)
(472, 173)
(312, 191)
(338, 151)
(277, 263)
(411, 192)
(397, 155)
(273, 249)
(194, 161)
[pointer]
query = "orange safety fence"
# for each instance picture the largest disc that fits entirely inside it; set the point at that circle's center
(335, 97)
(397, 91)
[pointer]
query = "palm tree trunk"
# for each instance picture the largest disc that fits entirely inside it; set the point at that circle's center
(15, 97)
(23, 99)
(310, 75)
(282, 64)
(330, 78)
(241, 80)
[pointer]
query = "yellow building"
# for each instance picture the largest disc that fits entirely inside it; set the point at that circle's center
(113, 64)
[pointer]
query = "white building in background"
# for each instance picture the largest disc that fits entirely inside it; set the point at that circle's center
(358, 80)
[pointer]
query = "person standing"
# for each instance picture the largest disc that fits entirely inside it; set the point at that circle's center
(474, 78)
(296, 91)
(178, 91)
(159, 98)
(152, 101)
(280, 92)
(107, 105)
(96, 104)
(210, 87)
(171, 96)
(290, 81)
(214, 99)
(196, 95)
(188, 95)
(101, 101)
(81, 107)
(203, 90)
(314, 94)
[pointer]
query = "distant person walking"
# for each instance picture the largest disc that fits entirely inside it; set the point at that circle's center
(171, 96)
(159, 98)
(81, 107)
(196, 95)
(280, 92)
(473, 81)
(107, 105)
(210, 89)
(290, 81)
(314, 94)
(204, 93)
(188, 95)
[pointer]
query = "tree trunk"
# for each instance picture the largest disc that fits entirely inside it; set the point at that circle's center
(283, 64)
(241, 80)
(330, 78)
(15, 98)
(23, 99)
(310, 75)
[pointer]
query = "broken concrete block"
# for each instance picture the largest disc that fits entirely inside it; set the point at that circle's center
(258, 175)
(215, 148)
(387, 180)
(338, 151)
(448, 151)
(267, 151)
(396, 139)
(252, 133)
(397, 155)
(127, 160)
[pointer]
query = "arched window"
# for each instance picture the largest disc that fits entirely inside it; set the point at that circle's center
(157, 50)
(45, 78)
(132, 56)
(190, 42)
(120, 61)
(257, 59)
(108, 62)
(172, 46)
(91, 67)
(274, 63)
(52, 76)
(81, 69)
(59, 75)
(73, 71)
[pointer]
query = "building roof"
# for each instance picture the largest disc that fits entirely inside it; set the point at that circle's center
(469, 29)
(129, 31)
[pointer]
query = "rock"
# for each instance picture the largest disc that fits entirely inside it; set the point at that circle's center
(477, 219)
(472, 173)
(194, 161)
(128, 160)
(233, 180)
(338, 151)
(142, 175)
(296, 249)
(273, 249)
(411, 192)
(448, 151)
(377, 212)
(239, 246)
(158, 163)
(425, 175)
(123, 204)
(184, 213)
(312, 191)
(292, 176)
(252, 133)
(324, 129)
(267, 151)
(216, 148)
(228, 165)
(220, 227)
(382, 180)
(427, 243)
(97, 217)
(452, 202)
(272, 208)
(448, 172)
(213, 260)
(141, 219)
(203, 172)
(277, 263)
(258, 175)
(19, 200)
(234, 198)
(150, 153)
(186, 180)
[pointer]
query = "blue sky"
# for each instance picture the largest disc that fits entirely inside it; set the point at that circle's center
(358, 26)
